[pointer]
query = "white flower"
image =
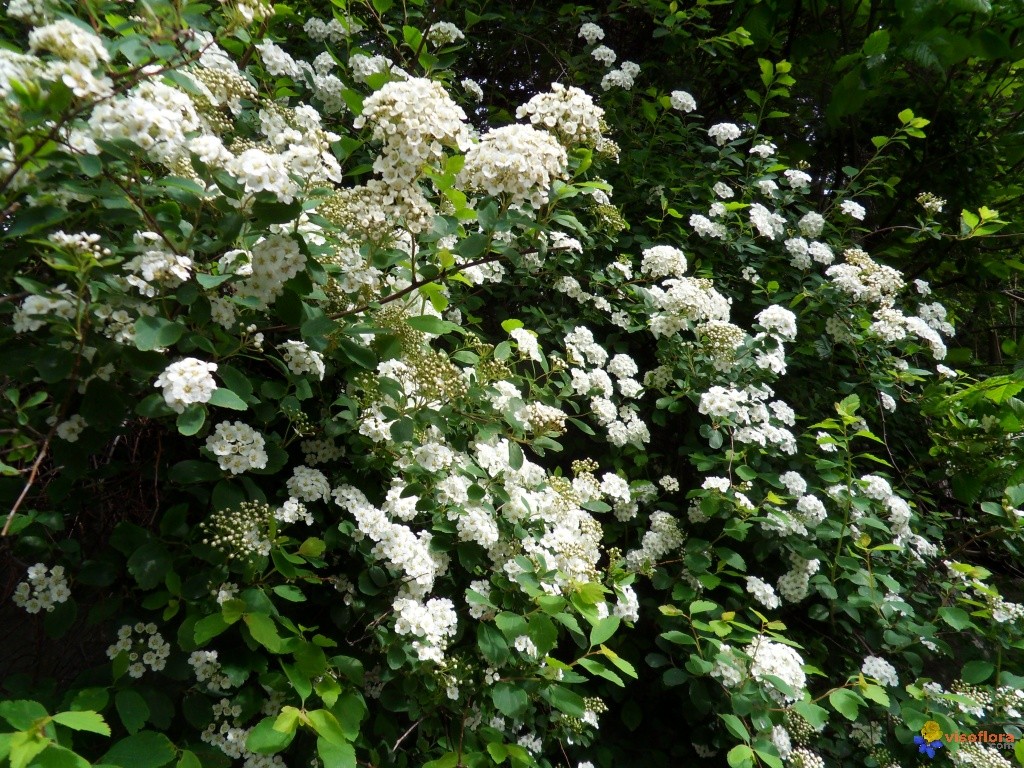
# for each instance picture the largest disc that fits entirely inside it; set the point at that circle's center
(723, 190)
(723, 133)
(591, 33)
(852, 209)
(762, 592)
(880, 670)
(812, 224)
(604, 55)
(682, 101)
(797, 178)
(301, 359)
(515, 160)
(70, 430)
(187, 381)
(444, 33)
(778, 321)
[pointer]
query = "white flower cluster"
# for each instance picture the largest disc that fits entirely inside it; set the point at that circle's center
(335, 30)
(663, 261)
(569, 113)
(157, 266)
(70, 42)
(186, 382)
(260, 171)
(591, 33)
(207, 669)
(778, 321)
(415, 119)
(763, 592)
(433, 623)
(275, 260)
(803, 254)
(663, 538)
(771, 659)
(683, 301)
(42, 590)
(144, 646)
(795, 583)
(308, 484)
(852, 209)
(682, 101)
(394, 544)
(154, 116)
(444, 33)
(36, 309)
(723, 133)
(768, 224)
(755, 420)
(238, 447)
(881, 670)
(71, 428)
(864, 279)
(518, 161)
(300, 359)
(603, 55)
(623, 77)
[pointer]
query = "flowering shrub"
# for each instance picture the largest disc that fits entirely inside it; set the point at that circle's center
(435, 459)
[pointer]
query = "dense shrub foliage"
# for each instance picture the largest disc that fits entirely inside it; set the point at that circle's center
(355, 415)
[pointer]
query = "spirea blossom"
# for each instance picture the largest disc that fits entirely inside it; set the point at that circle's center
(778, 321)
(568, 112)
(881, 670)
(591, 33)
(723, 133)
(300, 359)
(238, 447)
(186, 382)
(515, 160)
(682, 101)
(852, 209)
(771, 659)
(662, 261)
(42, 590)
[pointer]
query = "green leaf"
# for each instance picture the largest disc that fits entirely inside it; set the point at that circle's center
(957, 618)
(208, 628)
(509, 698)
(156, 333)
(22, 713)
(565, 700)
(132, 709)
(264, 631)
(598, 669)
(735, 726)
(434, 325)
(740, 756)
(265, 740)
(189, 760)
(327, 726)
(336, 755)
(877, 694)
(845, 702)
(146, 749)
(604, 629)
(225, 398)
(492, 644)
(149, 564)
(876, 44)
(977, 671)
(191, 420)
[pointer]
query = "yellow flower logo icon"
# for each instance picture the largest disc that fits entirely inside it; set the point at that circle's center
(931, 731)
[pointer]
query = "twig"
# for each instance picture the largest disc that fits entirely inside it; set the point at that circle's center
(30, 482)
(402, 737)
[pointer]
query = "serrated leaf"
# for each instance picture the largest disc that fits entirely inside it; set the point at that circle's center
(83, 721)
